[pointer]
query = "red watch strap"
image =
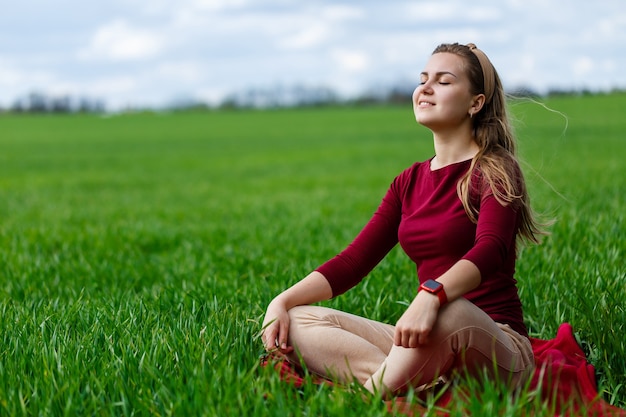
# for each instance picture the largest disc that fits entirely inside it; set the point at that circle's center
(443, 297)
(437, 289)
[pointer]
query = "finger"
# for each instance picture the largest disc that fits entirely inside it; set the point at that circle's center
(423, 338)
(397, 337)
(270, 338)
(406, 339)
(282, 335)
(287, 350)
(266, 333)
(402, 336)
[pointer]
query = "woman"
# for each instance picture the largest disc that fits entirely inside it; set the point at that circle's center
(457, 216)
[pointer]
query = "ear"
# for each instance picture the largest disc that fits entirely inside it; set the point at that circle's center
(477, 103)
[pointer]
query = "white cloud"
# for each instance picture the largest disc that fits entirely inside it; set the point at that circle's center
(183, 72)
(519, 72)
(341, 12)
(308, 37)
(16, 81)
(9, 76)
(429, 11)
(113, 85)
(351, 61)
(216, 5)
(119, 41)
(583, 66)
(154, 50)
(608, 65)
(483, 14)
(613, 26)
(448, 11)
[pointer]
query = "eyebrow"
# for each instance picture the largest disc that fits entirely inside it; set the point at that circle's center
(440, 73)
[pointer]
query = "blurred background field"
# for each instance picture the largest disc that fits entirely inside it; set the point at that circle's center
(139, 250)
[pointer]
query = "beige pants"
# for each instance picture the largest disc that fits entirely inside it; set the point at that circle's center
(335, 344)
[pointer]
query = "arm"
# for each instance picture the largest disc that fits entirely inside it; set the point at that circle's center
(311, 289)
(419, 318)
(495, 236)
(339, 274)
(334, 277)
(331, 279)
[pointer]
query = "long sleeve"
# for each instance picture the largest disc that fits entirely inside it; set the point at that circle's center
(495, 236)
(369, 247)
(423, 212)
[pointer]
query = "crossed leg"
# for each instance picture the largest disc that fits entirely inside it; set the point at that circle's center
(347, 347)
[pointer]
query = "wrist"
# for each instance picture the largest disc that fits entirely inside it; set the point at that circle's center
(278, 302)
(428, 300)
(435, 288)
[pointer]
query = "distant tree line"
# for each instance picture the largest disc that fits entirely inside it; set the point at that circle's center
(299, 96)
(258, 98)
(37, 102)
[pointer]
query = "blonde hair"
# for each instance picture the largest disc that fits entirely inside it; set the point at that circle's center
(495, 165)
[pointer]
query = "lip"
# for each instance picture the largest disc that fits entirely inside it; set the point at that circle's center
(425, 103)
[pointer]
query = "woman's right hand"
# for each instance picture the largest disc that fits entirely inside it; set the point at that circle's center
(313, 288)
(276, 328)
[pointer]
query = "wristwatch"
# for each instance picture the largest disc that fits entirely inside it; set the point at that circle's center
(436, 288)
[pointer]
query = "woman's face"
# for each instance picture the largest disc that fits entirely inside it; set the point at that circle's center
(443, 98)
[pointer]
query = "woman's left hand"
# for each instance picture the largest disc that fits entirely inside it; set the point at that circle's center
(414, 326)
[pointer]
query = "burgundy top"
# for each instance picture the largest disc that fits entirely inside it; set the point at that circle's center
(423, 212)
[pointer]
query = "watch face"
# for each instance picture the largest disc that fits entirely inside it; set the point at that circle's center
(432, 285)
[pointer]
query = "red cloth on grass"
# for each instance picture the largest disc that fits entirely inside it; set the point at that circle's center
(564, 377)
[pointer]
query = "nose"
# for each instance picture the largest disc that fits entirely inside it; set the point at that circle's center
(426, 87)
(422, 90)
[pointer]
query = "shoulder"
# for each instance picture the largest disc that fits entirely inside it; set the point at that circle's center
(498, 174)
(416, 170)
(410, 176)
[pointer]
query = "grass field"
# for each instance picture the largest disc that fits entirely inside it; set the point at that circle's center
(138, 251)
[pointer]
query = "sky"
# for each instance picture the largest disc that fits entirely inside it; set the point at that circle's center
(137, 53)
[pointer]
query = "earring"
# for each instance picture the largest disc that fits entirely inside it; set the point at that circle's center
(471, 114)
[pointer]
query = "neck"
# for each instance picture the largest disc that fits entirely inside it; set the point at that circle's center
(450, 150)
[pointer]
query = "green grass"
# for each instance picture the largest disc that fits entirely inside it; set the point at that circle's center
(138, 252)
